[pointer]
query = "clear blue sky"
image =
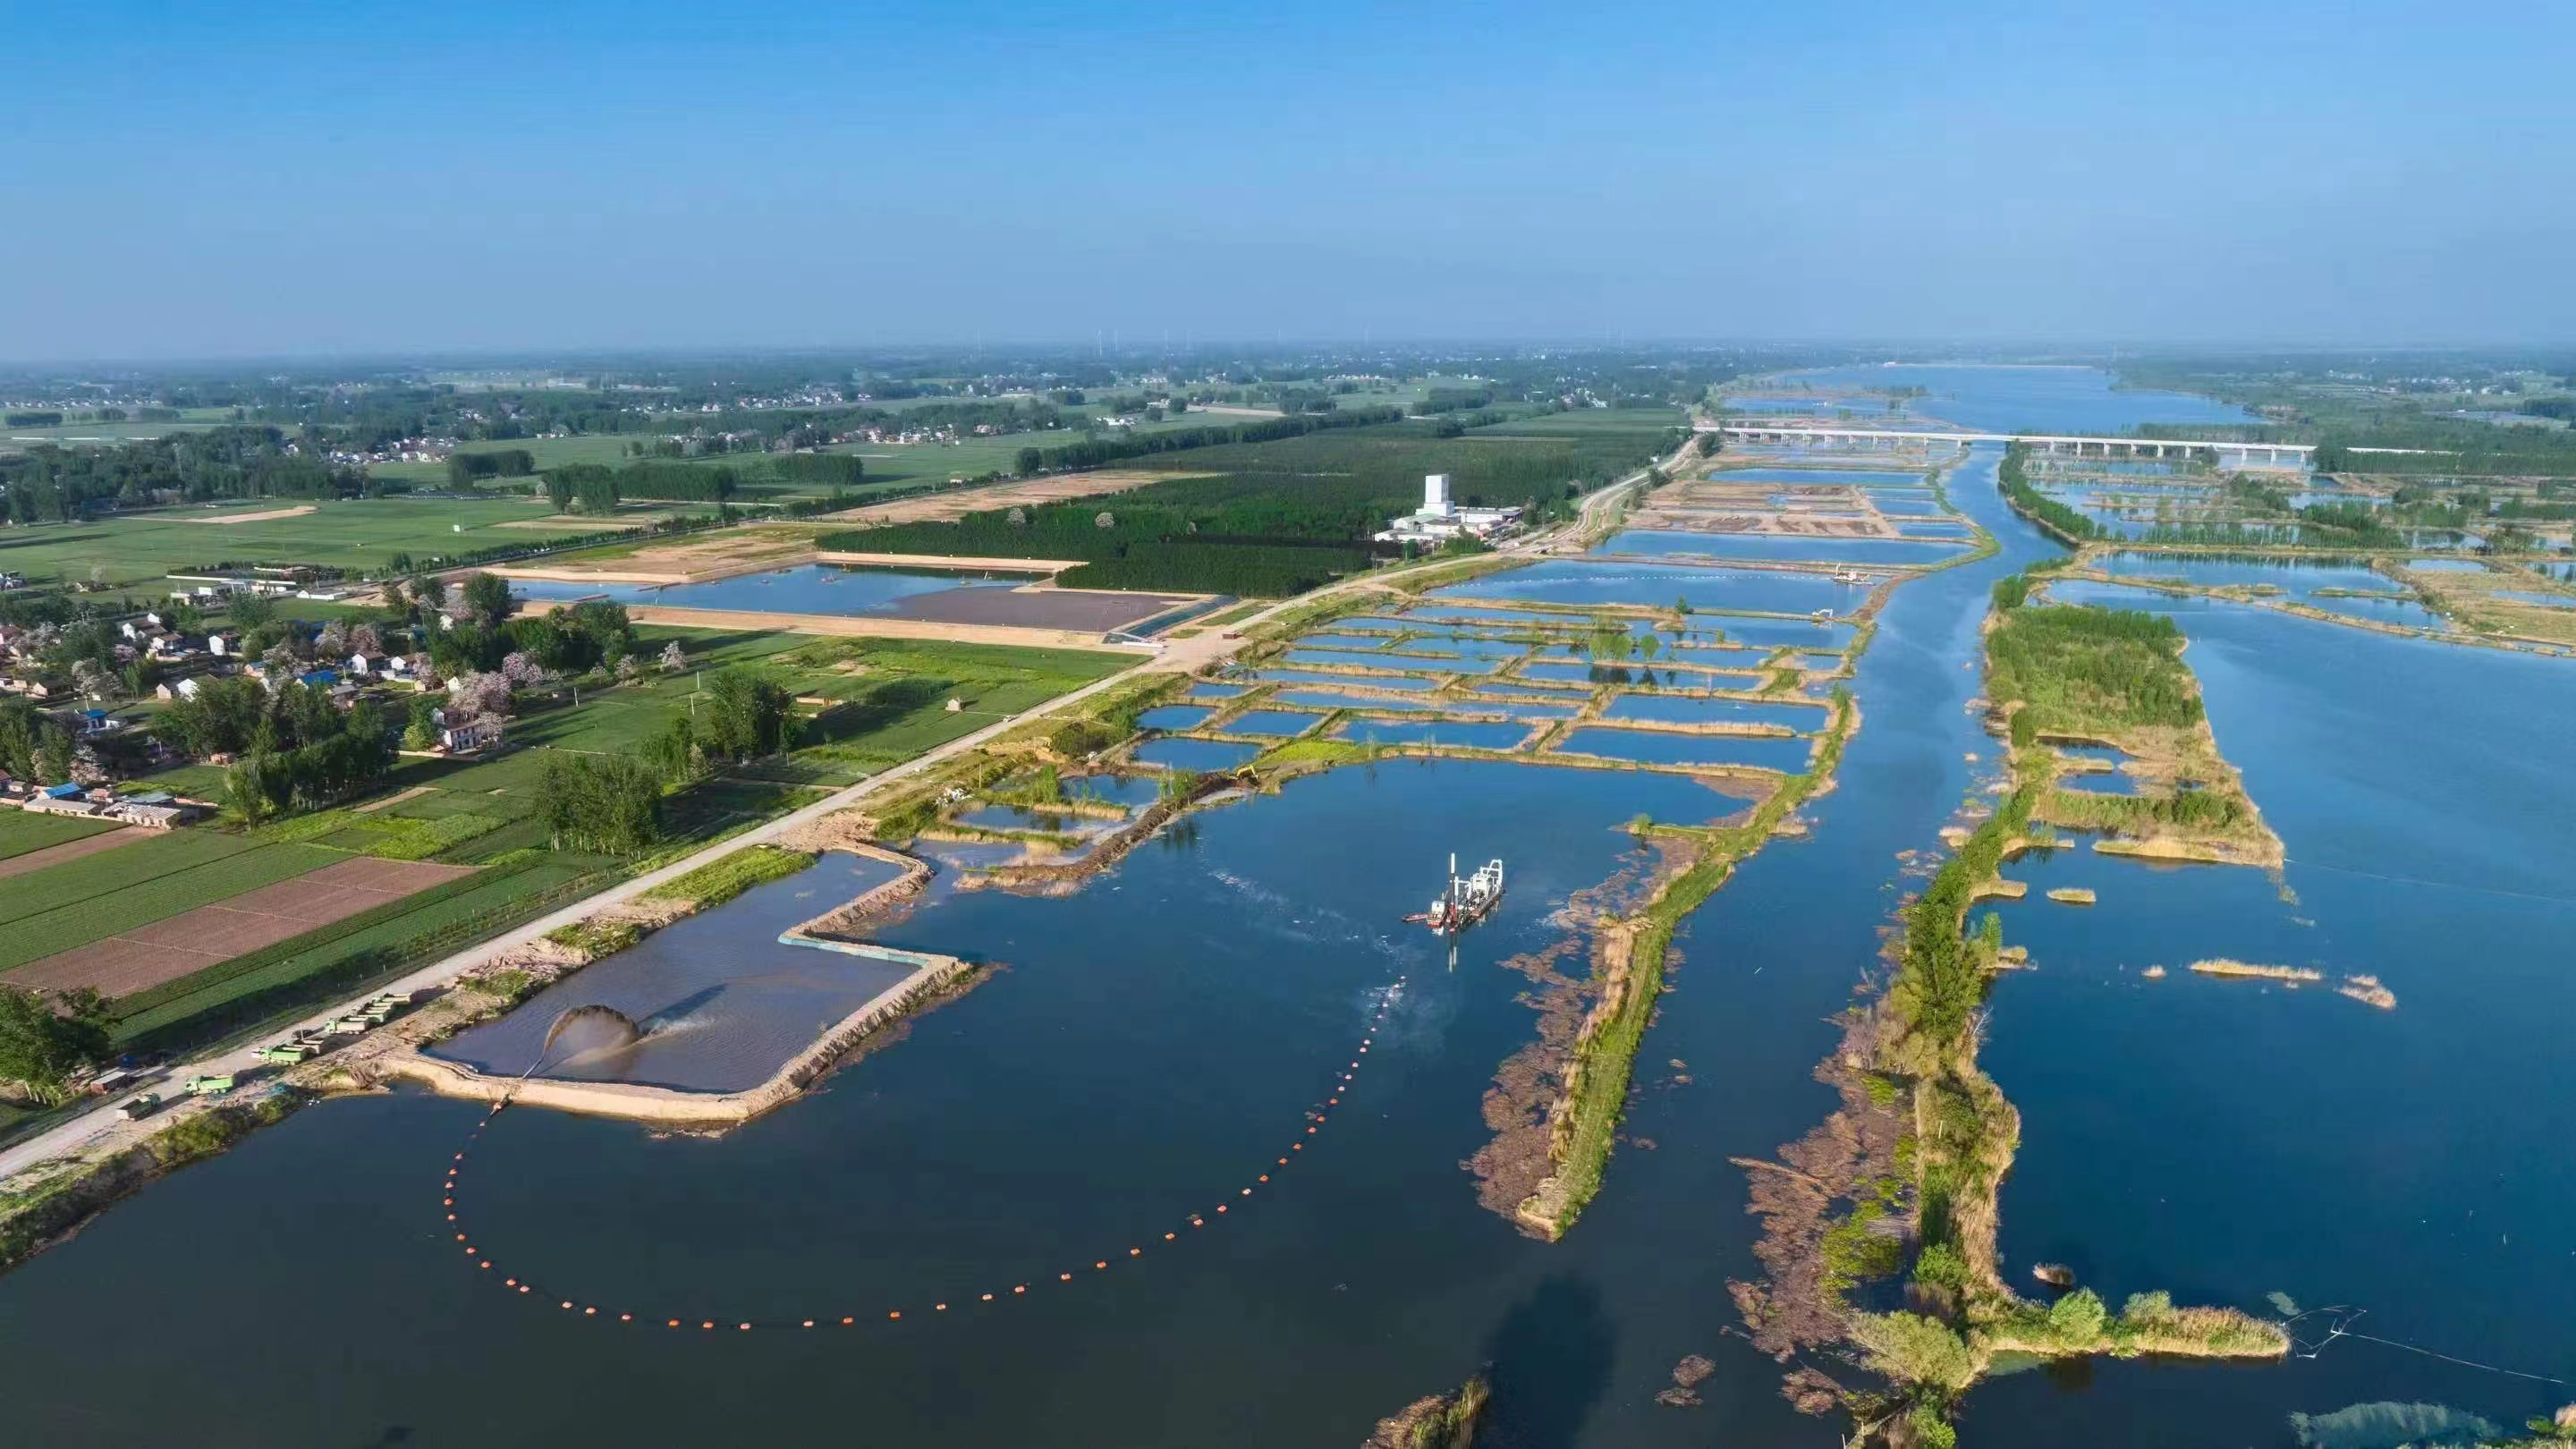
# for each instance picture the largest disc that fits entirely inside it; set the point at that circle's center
(198, 180)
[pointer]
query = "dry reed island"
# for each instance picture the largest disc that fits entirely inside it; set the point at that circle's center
(1902, 1178)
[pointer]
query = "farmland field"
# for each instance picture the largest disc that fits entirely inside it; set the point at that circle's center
(127, 550)
(68, 905)
(24, 830)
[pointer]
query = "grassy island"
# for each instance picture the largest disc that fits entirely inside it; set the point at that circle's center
(1909, 1169)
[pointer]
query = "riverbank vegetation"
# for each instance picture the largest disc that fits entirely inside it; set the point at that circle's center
(1443, 1421)
(2079, 672)
(1908, 1169)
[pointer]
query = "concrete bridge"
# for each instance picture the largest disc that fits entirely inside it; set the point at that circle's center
(2229, 454)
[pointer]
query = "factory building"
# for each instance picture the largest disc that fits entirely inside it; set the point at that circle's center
(1441, 520)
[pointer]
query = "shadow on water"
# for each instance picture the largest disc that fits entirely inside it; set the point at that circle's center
(1552, 1356)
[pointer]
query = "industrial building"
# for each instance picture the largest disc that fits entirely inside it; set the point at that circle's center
(1441, 520)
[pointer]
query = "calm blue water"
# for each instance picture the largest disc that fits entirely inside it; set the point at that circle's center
(1682, 709)
(2524, 596)
(1372, 659)
(1779, 547)
(1271, 722)
(1175, 717)
(2405, 611)
(1328, 699)
(1653, 675)
(2218, 1139)
(1176, 754)
(1656, 747)
(1405, 682)
(1565, 581)
(722, 1003)
(1855, 477)
(2447, 565)
(2196, 1134)
(2028, 399)
(1791, 633)
(1448, 732)
(806, 589)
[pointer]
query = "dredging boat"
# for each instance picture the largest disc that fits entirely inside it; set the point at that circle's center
(1466, 900)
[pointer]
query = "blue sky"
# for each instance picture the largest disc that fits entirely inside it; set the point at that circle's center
(199, 181)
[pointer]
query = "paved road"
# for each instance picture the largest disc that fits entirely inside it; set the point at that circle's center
(102, 1127)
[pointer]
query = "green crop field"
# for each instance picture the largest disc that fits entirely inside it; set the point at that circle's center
(353, 954)
(127, 868)
(608, 448)
(141, 549)
(24, 830)
(85, 915)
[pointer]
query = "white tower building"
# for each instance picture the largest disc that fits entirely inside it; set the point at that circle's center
(1435, 495)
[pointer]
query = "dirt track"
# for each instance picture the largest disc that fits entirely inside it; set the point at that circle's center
(948, 507)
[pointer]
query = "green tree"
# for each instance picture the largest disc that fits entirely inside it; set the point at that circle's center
(746, 714)
(43, 1039)
(609, 804)
(487, 599)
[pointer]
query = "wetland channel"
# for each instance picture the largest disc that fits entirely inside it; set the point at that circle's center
(1149, 1041)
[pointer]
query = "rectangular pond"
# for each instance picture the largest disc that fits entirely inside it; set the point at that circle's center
(1781, 547)
(1649, 675)
(719, 1003)
(1405, 682)
(1271, 722)
(1683, 709)
(1174, 717)
(1786, 753)
(1181, 754)
(1467, 735)
(1568, 581)
(1365, 659)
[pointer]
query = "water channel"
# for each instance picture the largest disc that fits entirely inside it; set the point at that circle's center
(1151, 1043)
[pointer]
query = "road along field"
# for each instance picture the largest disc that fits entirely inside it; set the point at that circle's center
(175, 946)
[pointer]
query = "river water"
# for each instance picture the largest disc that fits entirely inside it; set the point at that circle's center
(1150, 1045)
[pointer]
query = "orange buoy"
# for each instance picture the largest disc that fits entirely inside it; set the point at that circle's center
(898, 1313)
(1103, 1263)
(988, 1297)
(1064, 1277)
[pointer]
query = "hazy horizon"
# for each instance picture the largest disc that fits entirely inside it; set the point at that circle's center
(309, 183)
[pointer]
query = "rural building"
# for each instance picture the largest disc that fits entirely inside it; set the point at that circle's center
(1440, 519)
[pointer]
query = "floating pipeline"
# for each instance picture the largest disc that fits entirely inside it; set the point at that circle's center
(848, 1314)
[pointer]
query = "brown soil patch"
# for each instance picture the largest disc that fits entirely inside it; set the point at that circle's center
(956, 503)
(375, 805)
(70, 850)
(260, 517)
(867, 626)
(693, 560)
(173, 947)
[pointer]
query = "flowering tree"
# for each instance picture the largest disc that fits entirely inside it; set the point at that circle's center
(478, 695)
